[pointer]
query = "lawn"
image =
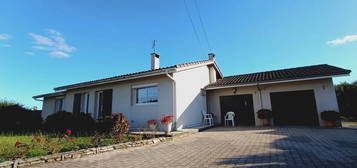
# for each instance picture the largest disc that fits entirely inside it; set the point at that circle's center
(349, 123)
(8, 149)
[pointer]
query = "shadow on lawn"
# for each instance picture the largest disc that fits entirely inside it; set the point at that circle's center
(300, 148)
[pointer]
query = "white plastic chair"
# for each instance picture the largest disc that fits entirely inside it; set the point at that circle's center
(207, 118)
(229, 117)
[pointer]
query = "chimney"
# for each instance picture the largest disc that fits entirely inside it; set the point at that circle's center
(155, 61)
(212, 56)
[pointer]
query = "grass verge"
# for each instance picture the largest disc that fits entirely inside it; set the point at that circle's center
(8, 149)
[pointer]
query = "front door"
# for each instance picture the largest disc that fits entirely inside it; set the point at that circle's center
(241, 105)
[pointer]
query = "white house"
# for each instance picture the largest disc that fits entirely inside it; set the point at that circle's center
(296, 96)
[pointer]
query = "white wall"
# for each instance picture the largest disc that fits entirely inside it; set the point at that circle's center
(190, 101)
(48, 107)
(123, 100)
(323, 89)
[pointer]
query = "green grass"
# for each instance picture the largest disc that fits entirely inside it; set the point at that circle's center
(8, 149)
(349, 123)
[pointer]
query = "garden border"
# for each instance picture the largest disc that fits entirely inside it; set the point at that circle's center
(87, 152)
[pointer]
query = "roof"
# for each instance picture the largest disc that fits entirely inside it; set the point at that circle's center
(50, 95)
(137, 75)
(299, 73)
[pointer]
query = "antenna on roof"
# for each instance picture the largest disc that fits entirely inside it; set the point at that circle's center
(154, 46)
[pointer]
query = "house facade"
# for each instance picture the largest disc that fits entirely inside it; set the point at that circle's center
(175, 90)
(297, 96)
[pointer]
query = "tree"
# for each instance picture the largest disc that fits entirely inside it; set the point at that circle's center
(347, 98)
(17, 118)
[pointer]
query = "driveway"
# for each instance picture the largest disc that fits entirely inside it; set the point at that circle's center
(237, 147)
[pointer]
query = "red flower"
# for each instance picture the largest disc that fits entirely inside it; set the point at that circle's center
(17, 144)
(118, 137)
(166, 119)
(68, 132)
(151, 122)
(38, 140)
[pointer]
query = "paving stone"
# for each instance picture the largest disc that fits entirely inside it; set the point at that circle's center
(236, 147)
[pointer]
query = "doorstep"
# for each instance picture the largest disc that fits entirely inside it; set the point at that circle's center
(178, 133)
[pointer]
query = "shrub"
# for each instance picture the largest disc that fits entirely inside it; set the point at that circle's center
(113, 124)
(78, 123)
(121, 125)
(330, 115)
(16, 118)
(265, 114)
(346, 96)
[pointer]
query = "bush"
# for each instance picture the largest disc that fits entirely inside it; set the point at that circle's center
(115, 126)
(121, 125)
(265, 114)
(115, 122)
(330, 115)
(346, 96)
(60, 121)
(17, 118)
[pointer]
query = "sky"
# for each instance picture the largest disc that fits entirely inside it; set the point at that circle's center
(46, 44)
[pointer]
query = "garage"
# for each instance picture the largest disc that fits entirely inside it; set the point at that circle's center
(242, 106)
(294, 108)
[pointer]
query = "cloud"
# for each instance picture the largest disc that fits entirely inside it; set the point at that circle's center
(29, 53)
(41, 40)
(54, 43)
(59, 54)
(343, 40)
(4, 36)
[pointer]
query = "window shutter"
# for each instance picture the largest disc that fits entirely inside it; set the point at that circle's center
(77, 103)
(107, 102)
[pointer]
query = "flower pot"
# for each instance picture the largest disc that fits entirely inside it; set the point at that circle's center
(152, 127)
(167, 128)
(265, 122)
(330, 124)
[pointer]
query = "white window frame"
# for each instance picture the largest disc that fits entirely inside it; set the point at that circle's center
(84, 103)
(97, 106)
(61, 107)
(145, 87)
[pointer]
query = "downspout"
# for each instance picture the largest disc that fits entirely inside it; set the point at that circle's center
(173, 96)
(260, 96)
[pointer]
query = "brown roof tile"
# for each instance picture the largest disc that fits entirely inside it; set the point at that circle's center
(280, 75)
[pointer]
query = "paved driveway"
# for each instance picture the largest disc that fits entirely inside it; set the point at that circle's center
(238, 147)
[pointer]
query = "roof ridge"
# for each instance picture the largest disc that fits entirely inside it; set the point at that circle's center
(133, 74)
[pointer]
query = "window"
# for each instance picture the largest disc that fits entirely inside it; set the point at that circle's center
(84, 102)
(147, 95)
(58, 104)
(103, 105)
(99, 103)
(81, 103)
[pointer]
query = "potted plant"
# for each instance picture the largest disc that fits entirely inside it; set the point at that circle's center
(152, 124)
(330, 117)
(265, 115)
(166, 121)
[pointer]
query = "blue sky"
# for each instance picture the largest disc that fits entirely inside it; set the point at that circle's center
(45, 44)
